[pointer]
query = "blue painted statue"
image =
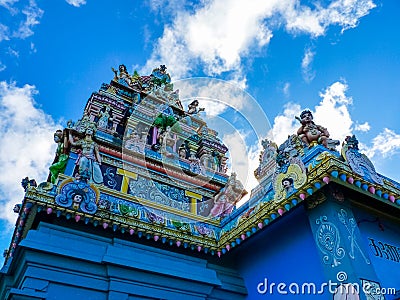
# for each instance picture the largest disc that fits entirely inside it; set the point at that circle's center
(89, 159)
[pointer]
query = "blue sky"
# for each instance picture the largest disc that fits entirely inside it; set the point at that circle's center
(341, 59)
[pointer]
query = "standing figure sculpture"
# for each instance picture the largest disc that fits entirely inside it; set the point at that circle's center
(228, 196)
(166, 141)
(61, 159)
(123, 76)
(89, 159)
(312, 134)
(104, 118)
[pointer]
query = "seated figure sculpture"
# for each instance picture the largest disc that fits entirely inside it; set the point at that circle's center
(312, 134)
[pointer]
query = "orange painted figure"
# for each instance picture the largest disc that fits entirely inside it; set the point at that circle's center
(310, 133)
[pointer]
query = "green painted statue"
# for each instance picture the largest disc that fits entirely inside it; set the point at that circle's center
(60, 161)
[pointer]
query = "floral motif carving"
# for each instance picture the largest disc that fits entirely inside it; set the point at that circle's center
(328, 241)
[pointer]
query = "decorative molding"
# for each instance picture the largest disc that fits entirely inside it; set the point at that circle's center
(351, 226)
(328, 241)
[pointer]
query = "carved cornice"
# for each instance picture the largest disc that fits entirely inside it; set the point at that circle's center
(222, 238)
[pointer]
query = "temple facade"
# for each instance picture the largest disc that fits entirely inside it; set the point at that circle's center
(140, 204)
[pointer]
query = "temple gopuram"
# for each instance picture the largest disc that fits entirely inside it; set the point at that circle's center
(140, 204)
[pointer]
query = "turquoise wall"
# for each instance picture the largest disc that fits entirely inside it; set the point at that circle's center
(284, 252)
(56, 262)
(381, 237)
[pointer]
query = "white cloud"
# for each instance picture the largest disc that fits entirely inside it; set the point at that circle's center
(2, 66)
(332, 112)
(8, 4)
(215, 96)
(26, 148)
(300, 18)
(286, 89)
(362, 127)
(76, 3)
(243, 159)
(4, 31)
(344, 13)
(12, 52)
(285, 124)
(216, 35)
(32, 13)
(220, 34)
(385, 144)
(347, 13)
(308, 73)
(167, 8)
(33, 48)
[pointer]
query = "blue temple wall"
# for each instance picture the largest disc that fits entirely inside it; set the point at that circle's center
(381, 237)
(55, 262)
(284, 252)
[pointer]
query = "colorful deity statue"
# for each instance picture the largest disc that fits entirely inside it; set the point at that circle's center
(184, 150)
(89, 159)
(312, 134)
(134, 142)
(123, 76)
(290, 172)
(81, 124)
(195, 164)
(227, 197)
(288, 185)
(61, 159)
(359, 162)
(206, 160)
(104, 118)
(159, 77)
(193, 107)
(26, 183)
(216, 161)
(167, 141)
(165, 117)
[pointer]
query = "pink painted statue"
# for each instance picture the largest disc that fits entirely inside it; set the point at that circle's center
(227, 197)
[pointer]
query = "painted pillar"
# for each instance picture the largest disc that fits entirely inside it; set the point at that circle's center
(71, 164)
(126, 177)
(154, 136)
(194, 198)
